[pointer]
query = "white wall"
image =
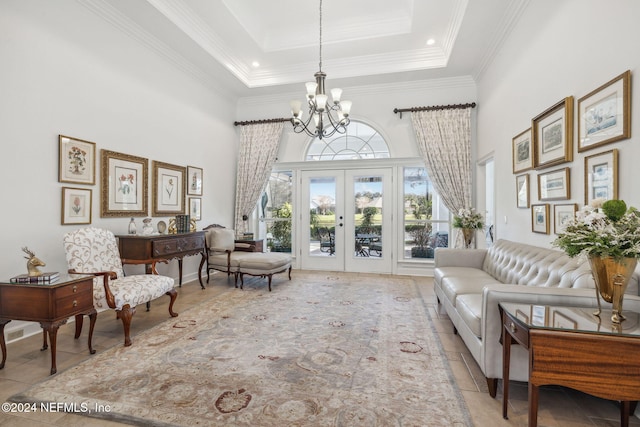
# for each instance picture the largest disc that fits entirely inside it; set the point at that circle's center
(64, 70)
(373, 105)
(558, 49)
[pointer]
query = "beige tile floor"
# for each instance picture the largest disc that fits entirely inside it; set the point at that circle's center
(27, 365)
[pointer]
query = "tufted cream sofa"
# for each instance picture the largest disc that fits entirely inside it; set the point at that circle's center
(470, 283)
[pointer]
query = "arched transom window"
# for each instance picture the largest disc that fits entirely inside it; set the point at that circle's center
(360, 141)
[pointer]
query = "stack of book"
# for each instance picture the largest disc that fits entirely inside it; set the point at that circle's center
(43, 278)
(183, 224)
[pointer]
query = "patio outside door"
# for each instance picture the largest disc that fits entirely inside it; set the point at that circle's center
(346, 220)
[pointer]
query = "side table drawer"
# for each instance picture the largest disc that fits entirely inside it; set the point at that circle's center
(190, 243)
(71, 304)
(520, 334)
(75, 288)
(164, 247)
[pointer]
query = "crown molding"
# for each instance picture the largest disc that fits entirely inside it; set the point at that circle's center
(124, 24)
(509, 20)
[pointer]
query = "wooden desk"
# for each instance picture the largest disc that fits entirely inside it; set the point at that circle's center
(51, 305)
(164, 246)
(573, 348)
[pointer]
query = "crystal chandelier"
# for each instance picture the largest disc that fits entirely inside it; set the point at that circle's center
(327, 118)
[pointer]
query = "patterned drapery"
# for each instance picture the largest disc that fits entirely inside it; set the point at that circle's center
(444, 141)
(258, 149)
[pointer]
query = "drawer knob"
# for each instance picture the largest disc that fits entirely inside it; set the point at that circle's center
(75, 288)
(75, 303)
(512, 327)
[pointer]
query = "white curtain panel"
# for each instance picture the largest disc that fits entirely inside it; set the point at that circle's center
(258, 149)
(444, 141)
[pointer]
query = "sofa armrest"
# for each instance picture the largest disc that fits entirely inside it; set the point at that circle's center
(449, 257)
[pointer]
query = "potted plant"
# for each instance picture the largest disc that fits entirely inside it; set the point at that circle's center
(468, 220)
(608, 234)
(421, 236)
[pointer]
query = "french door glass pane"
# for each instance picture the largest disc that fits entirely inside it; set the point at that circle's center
(322, 205)
(367, 191)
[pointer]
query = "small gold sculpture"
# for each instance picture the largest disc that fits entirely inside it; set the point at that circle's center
(33, 263)
(192, 224)
(172, 226)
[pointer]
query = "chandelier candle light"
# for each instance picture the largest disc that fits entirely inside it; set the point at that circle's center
(336, 113)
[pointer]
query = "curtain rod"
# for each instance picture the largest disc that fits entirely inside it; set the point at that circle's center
(435, 107)
(255, 122)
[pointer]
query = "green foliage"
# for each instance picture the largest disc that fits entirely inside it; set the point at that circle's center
(468, 218)
(281, 230)
(614, 209)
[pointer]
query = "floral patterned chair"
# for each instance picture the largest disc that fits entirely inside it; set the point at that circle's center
(95, 251)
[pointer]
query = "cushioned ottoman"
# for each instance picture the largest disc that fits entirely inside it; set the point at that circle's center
(263, 264)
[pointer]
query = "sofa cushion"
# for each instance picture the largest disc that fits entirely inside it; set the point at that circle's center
(469, 281)
(469, 308)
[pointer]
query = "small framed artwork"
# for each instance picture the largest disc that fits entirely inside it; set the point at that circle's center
(522, 316)
(540, 218)
(194, 184)
(562, 214)
(195, 208)
(554, 185)
(604, 115)
(522, 191)
(125, 180)
(522, 152)
(168, 189)
(539, 315)
(76, 161)
(601, 176)
(76, 206)
(553, 135)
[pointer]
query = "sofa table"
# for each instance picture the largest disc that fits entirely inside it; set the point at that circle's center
(164, 247)
(572, 347)
(51, 304)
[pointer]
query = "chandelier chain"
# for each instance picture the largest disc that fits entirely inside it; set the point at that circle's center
(320, 63)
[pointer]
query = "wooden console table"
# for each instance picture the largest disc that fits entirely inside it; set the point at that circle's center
(164, 246)
(51, 304)
(572, 347)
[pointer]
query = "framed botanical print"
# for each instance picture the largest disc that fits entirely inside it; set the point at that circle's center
(76, 206)
(76, 160)
(540, 218)
(562, 214)
(125, 179)
(195, 208)
(194, 181)
(168, 189)
(554, 185)
(553, 134)
(601, 176)
(522, 152)
(604, 115)
(522, 191)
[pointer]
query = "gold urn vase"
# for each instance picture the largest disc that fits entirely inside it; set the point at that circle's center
(612, 278)
(468, 236)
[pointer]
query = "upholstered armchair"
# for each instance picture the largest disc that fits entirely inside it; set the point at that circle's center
(95, 251)
(237, 258)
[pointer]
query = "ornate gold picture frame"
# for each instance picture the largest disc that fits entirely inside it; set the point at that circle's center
(604, 115)
(562, 214)
(553, 135)
(76, 206)
(76, 160)
(522, 191)
(522, 152)
(554, 185)
(540, 218)
(124, 185)
(601, 176)
(168, 189)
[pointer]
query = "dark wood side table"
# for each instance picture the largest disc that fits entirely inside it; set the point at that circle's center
(49, 304)
(256, 245)
(573, 348)
(164, 246)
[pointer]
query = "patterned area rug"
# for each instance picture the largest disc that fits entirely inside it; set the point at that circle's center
(340, 351)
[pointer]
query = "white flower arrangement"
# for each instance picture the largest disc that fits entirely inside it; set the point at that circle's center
(468, 218)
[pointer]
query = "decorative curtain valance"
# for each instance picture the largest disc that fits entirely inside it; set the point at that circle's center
(258, 149)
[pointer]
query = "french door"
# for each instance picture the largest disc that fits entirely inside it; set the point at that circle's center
(345, 220)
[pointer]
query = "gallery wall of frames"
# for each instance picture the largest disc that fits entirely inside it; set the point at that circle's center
(547, 147)
(125, 182)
